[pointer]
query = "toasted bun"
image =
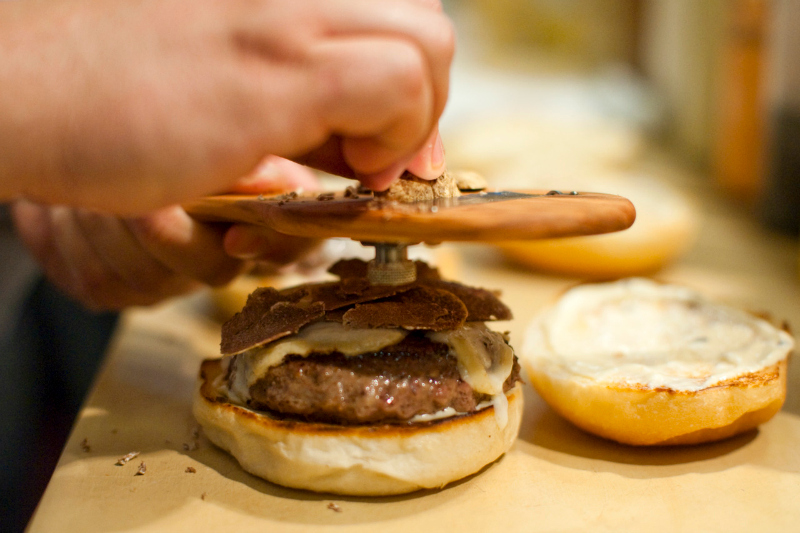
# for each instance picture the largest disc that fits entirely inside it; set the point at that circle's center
(630, 373)
(354, 460)
(664, 230)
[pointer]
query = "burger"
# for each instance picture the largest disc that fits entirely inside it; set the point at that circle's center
(354, 388)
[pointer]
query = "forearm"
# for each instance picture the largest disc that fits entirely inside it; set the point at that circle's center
(29, 103)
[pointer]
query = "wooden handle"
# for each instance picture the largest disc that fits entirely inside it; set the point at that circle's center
(530, 215)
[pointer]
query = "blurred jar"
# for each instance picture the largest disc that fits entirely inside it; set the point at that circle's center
(740, 137)
(781, 200)
(576, 32)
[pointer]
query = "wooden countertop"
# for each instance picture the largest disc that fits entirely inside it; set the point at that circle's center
(554, 478)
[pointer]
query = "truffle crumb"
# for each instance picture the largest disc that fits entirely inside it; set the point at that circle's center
(122, 461)
(141, 470)
(351, 192)
(114, 431)
(409, 189)
(85, 446)
(467, 180)
(335, 508)
(203, 496)
(325, 196)
(286, 197)
(190, 470)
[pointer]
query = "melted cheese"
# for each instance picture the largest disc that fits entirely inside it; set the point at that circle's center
(321, 337)
(637, 332)
(484, 359)
(484, 362)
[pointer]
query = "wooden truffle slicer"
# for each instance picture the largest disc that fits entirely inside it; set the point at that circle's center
(485, 216)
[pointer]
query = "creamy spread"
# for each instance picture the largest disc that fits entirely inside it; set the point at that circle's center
(499, 401)
(484, 360)
(638, 332)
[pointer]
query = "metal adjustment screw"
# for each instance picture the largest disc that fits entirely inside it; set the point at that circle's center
(391, 265)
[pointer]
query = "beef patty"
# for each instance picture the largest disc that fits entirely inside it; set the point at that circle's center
(415, 376)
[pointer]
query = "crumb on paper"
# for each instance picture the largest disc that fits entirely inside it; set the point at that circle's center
(114, 431)
(85, 446)
(325, 196)
(335, 508)
(141, 470)
(122, 461)
(190, 470)
(203, 496)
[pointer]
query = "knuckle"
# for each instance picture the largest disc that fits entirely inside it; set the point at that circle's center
(409, 73)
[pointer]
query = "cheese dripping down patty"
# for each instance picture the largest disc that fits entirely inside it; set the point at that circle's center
(637, 332)
(484, 359)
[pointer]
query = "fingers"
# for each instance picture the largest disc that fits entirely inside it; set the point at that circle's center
(72, 247)
(248, 242)
(425, 28)
(184, 245)
(385, 76)
(377, 83)
(109, 263)
(275, 175)
(262, 244)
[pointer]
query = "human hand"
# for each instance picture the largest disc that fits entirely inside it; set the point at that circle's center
(129, 106)
(106, 262)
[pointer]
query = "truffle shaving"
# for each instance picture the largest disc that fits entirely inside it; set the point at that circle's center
(483, 305)
(428, 303)
(268, 315)
(337, 294)
(418, 308)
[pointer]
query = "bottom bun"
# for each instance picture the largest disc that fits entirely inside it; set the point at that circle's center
(645, 416)
(373, 460)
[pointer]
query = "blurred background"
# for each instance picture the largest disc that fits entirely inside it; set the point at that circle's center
(632, 96)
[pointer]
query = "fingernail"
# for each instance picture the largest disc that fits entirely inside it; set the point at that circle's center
(437, 155)
(428, 163)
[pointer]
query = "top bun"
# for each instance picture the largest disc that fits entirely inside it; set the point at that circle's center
(644, 363)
